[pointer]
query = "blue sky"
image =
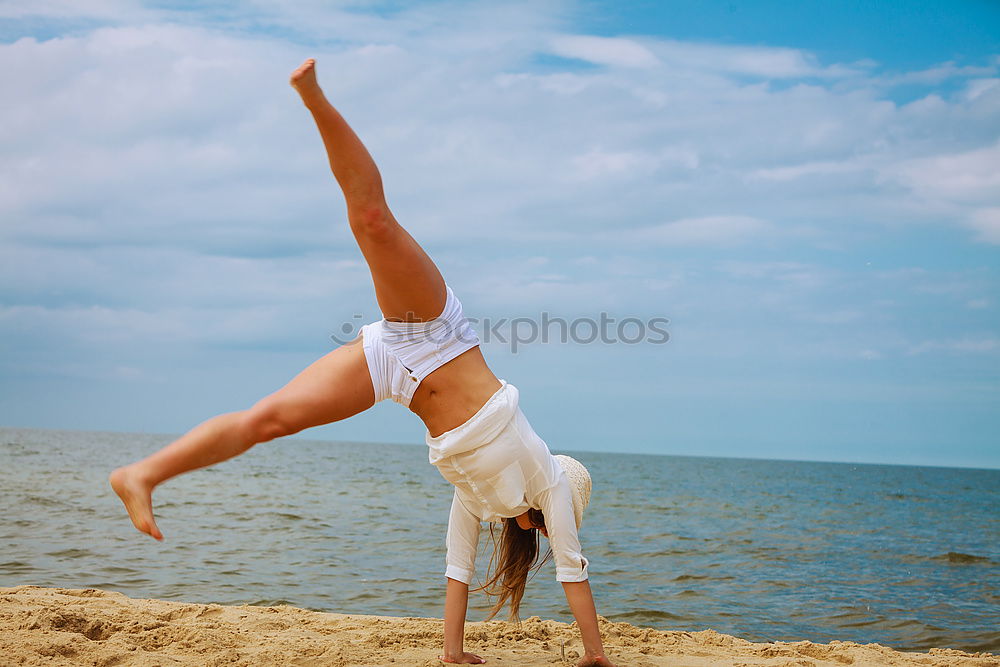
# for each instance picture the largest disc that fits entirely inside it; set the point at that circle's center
(808, 191)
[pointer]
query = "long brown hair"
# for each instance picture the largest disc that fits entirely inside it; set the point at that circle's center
(515, 554)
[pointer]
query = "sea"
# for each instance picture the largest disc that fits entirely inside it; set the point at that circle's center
(908, 557)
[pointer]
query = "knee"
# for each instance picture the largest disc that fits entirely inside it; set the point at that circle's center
(371, 221)
(266, 421)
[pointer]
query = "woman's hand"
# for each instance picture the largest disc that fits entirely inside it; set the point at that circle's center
(466, 659)
(596, 661)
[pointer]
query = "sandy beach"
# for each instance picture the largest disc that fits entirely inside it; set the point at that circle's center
(57, 626)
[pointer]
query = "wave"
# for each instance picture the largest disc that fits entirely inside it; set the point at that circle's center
(958, 558)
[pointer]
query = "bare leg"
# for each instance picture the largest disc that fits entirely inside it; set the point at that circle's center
(335, 387)
(408, 285)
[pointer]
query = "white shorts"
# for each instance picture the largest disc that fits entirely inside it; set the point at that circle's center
(401, 354)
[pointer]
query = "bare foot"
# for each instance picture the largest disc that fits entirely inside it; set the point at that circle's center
(466, 659)
(138, 498)
(598, 661)
(304, 80)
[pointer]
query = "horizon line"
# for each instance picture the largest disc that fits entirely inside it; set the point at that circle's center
(299, 436)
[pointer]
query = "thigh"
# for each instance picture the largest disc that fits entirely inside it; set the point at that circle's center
(334, 387)
(408, 285)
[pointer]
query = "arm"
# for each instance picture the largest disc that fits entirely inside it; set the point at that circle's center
(572, 570)
(581, 603)
(462, 541)
(456, 603)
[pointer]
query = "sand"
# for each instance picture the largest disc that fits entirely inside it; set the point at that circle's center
(57, 626)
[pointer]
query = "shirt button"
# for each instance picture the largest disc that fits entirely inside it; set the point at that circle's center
(413, 378)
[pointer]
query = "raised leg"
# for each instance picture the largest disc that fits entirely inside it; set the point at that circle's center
(335, 387)
(408, 285)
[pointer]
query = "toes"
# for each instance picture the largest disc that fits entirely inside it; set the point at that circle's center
(305, 67)
(155, 533)
(149, 527)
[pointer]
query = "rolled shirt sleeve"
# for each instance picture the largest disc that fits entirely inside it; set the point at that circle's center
(557, 506)
(462, 541)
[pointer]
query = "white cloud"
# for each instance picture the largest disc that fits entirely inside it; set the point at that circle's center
(967, 345)
(978, 87)
(66, 9)
(757, 270)
(706, 230)
(797, 171)
(940, 73)
(615, 51)
(159, 165)
(964, 186)
(760, 61)
(968, 176)
(597, 163)
(837, 316)
(188, 129)
(986, 223)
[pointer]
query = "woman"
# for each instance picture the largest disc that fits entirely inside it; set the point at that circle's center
(423, 354)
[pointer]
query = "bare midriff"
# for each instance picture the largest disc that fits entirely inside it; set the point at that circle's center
(453, 393)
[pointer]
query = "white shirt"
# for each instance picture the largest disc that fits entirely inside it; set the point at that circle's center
(501, 468)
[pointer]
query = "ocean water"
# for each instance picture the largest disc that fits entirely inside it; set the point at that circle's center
(766, 550)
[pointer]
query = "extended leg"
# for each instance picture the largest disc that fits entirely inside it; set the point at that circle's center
(332, 388)
(408, 285)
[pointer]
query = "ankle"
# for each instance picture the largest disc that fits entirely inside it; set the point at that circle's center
(451, 655)
(313, 98)
(139, 474)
